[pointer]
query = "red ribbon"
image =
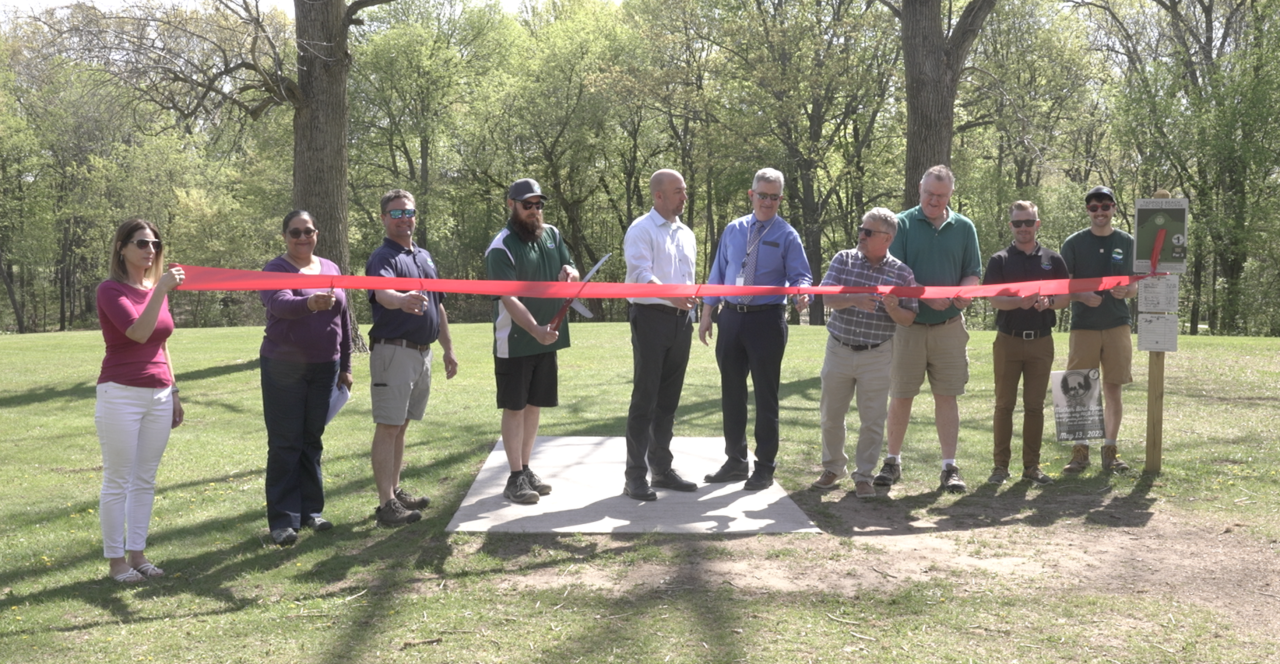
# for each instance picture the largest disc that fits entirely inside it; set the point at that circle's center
(221, 279)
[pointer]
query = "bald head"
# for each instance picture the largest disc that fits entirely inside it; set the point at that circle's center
(667, 188)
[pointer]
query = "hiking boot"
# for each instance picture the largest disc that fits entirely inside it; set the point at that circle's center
(950, 480)
(409, 501)
(828, 480)
(518, 490)
(1079, 459)
(536, 482)
(998, 475)
(1036, 476)
(393, 514)
(762, 478)
(1111, 459)
(890, 473)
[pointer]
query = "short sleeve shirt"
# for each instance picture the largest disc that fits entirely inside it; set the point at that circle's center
(510, 258)
(852, 325)
(391, 259)
(940, 256)
(1012, 265)
(1088, 256)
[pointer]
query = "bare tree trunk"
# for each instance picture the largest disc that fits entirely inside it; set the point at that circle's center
(320, 124)
(6, 274)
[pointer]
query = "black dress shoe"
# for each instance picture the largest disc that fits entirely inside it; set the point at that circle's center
(640, 491)
(671, 480)
(762, 478)
(731, 471)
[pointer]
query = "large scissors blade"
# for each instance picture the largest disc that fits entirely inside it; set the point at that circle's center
(564, 309)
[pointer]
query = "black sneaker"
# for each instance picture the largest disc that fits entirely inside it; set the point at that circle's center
(890, 473)
(731, 471)
(951, 481)
(518, 490)
(536, 482)
(762, 478)
(393, 515)
(408, 500)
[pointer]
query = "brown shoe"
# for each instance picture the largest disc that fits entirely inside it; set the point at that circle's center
(1079, 459)
(863, 489)
(828, 480)
(1111, 460)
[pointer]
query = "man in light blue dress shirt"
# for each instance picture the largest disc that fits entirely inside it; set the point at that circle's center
(660, 250)
(760, 249)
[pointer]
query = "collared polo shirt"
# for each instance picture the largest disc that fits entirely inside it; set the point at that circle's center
(391, 259)
(781, 261)
(940, 256)
(655, 247)
(509, 258)
(1012, 265)
(853, 325)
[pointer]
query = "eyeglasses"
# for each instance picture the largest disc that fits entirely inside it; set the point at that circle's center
(396, 214)
(143, 244)
(297, 233)
(768, 197)
(1023, 223)
(868, 232)
(1105, 207)
(532, 206)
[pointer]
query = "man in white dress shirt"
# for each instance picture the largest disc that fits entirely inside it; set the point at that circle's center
(660, 250)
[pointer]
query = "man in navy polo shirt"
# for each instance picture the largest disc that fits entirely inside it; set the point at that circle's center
(405, 324)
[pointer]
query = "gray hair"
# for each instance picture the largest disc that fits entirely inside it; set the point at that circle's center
(939, 172)
(767, 175)
(885, 217)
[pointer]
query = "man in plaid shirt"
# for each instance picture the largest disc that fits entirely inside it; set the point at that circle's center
(860, 349)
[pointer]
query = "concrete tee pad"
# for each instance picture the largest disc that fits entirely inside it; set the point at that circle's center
(586, 476)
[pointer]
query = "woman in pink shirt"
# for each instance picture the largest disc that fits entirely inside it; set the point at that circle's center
(137, 400)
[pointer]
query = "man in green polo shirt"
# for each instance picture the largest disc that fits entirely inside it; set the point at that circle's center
(524, 344)
(941, 248)
(1100, 320)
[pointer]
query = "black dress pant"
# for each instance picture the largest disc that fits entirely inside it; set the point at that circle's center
(751, 343)
(660, 349)
(295, 405)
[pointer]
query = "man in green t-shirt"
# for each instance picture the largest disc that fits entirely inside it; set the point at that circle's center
(1100, 335)
(524, 344)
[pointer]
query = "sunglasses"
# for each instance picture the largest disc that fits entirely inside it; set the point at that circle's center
(1105, 207)
(297, 233)
(1023, 223)
(768, 197)
(869, 232)
(143, 244)
(532, 206)
(396, 214)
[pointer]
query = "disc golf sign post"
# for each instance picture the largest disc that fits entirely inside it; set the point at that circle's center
(1161, 246)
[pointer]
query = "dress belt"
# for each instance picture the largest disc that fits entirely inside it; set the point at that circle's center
(748, 308)
(663, 308)
(857, 347)
(404, 343)
(1028, 335)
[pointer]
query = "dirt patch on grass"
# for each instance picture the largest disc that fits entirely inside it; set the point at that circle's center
(1096, 543)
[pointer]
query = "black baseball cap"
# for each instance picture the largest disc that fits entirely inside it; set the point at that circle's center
(524, 189)
(1099, 192)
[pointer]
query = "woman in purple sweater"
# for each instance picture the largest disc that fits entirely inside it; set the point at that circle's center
(306, 352)
(137, 400)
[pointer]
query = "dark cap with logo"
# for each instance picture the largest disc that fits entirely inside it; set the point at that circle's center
(1099, 192)
(524, 189)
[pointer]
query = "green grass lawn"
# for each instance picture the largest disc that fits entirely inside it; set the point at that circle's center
(362, 594)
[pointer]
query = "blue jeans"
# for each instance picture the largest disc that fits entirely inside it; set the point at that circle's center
(295, 405)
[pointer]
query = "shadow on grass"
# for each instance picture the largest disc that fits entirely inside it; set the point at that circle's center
(87, 390)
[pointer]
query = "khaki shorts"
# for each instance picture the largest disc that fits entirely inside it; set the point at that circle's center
(1110, 349)
(401, 383)
(940, 351)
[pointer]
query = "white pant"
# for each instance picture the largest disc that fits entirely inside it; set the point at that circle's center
(133, 430)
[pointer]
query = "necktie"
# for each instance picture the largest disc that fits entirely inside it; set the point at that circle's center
(749, 263)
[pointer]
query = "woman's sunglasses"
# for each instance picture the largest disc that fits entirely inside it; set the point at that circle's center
(297, 233)
(143, 244)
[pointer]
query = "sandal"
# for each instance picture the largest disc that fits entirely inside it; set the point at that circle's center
(148, 570)
(130, 576)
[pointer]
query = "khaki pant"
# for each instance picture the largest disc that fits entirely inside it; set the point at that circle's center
(844, 372)
(1030, 361)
